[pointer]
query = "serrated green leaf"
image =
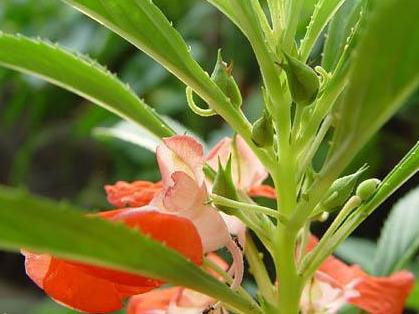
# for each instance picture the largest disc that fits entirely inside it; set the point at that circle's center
(384, 72)
(323, 12)
(358, 251)
(399, 239)
(339, 31)
(45, 226)
(145, 26)
(80, 75)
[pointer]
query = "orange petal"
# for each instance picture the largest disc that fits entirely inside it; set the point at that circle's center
(384, 295)
(135, 194)
(72, 287)
(176, 232)
(263, 191)
(377, 295)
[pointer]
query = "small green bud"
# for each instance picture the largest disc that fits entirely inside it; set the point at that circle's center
(303, 82)
(225, 81)
(366, 189)
(224, 185)
(263, 131)
(340, 191)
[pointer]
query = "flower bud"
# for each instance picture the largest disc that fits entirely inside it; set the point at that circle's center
(366, 189)
(302, 81)
(340, 191)
(224, 185)
(225, 81)
(263, 131)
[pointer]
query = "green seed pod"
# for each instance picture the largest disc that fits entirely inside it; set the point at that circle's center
(224, 186)
(263, 131)
(303, 82)
(340, 191)
(366, 189)
(225, 81)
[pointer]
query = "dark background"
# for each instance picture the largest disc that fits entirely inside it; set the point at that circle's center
(47, 141)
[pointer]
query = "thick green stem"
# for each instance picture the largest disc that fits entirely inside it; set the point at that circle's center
(290, 283)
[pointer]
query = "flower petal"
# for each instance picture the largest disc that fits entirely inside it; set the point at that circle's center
(377, 295)
(185, 195)
(187, 199)
(248, 171)
(135, 194)
(96, 289)
(222, 151)
(180, 153)
(262, 191)
(68, 285)
(176, 232)
(384, 295)
(175, 299)
(156, 301)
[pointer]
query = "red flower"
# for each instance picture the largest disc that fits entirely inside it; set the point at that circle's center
(100, 290)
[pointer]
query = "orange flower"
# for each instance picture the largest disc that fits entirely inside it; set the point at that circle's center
(376, 295)
(135, 194)
(101, 290)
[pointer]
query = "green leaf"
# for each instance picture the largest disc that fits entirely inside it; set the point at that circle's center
(358, 251)
(323, 12)
(80, 75)
(44, 226)
(413, 300)
(246, 15)
(138, 135)
(384, 72)
(340, 29)
(399, 239)
(145, 26)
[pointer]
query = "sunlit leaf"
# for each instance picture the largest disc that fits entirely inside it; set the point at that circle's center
(138, 135)
(145, 26)
(80, 75)
(45, 226)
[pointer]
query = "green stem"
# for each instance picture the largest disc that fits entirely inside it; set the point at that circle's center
(309, 264)
(228, 279)
(223, 201)
(290, 283)
(258, 270)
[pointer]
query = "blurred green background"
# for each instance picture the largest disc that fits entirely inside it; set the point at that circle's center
(47, 143)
